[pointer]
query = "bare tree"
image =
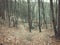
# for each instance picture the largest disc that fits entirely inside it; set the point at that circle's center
(14, 19)
(52, 13)
(29, 15)
(8, 12)
(56, 12)
(58, 30)
(44, 13)
(39, 15)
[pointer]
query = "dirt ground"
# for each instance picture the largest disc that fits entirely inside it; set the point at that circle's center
(21, 36)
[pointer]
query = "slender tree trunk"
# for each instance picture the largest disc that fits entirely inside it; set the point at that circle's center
(44, 14)
(5, 10)
(52, 13)
(15, 17)
(29, 15)
(56, 13)
(9, 12)
(58, 31)
(39, 15)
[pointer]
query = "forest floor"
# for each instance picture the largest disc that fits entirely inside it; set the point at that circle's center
(21, 36)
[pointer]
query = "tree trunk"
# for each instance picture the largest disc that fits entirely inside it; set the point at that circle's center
(9, 12)
(39, 15)
(58, 31)
(52, 13)
(29, 15)
(44, 14)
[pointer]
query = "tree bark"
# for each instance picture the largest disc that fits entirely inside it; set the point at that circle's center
(9, 12)
(52, 13)
(58, 31)
(44, 14)
(29, 15)
(39, 15)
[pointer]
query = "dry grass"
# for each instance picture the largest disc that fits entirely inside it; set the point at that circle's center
(20, 36)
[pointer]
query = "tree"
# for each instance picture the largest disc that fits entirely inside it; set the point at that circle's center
(52, 13)
(58, 30)
(56, 12)
(39, 15)
(15, 17)
(2, 8)
(9, 11)
(29, 15)
(44, 13)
